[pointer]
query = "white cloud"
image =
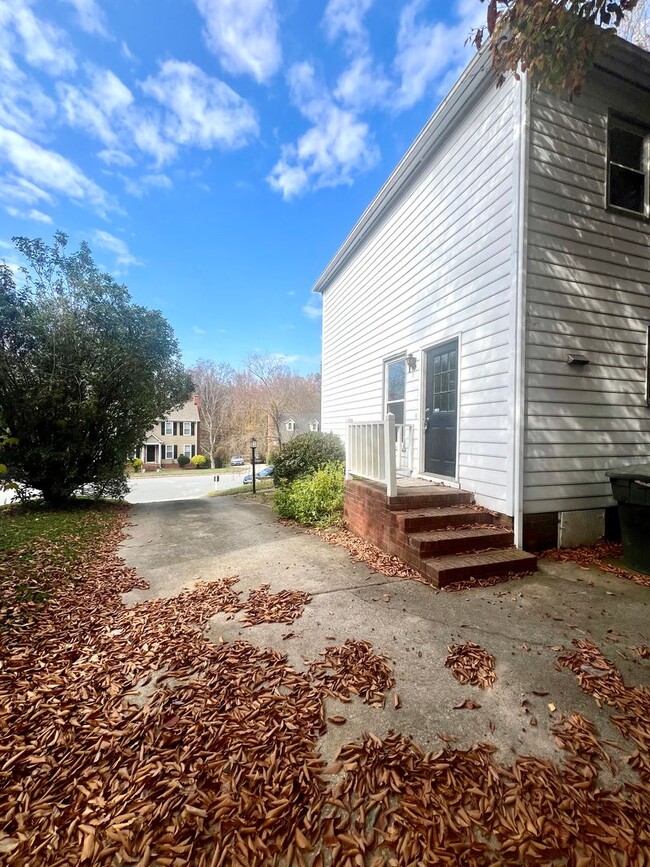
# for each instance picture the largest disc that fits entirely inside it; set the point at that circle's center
(15, 189)
(427, 50)
(90, 16)
(313, 309)
(201, 111)
(345, 18)
(126, 52)
(33, 214)
(115, 245)
(335, 148)
(24, 107)
(198, 330)
(141, 186)
(244, 35)
(39, 42)
(99, 109)
(362, 85)
(116, 158)
(47, 169)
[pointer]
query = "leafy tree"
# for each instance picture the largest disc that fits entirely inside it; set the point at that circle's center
(84, 372)
(554, 41)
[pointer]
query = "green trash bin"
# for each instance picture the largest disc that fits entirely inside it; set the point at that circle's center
(631, 490)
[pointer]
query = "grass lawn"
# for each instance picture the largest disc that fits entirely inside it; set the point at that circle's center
(42, 548)
(261, 485)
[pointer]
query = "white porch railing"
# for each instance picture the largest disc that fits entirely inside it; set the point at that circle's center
(376, 450)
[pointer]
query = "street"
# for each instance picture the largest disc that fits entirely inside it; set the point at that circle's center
(152, 488)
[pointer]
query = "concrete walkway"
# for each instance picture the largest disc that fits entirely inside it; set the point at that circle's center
(174, 544)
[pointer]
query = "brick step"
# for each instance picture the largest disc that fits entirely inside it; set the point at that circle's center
(482, 564)
(417, 520)
(438, 543)
(433, 497)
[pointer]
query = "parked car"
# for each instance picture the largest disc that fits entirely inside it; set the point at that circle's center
(266, 473)
(248, 480)
(237, 461)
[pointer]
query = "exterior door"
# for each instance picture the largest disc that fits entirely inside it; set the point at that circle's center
(151, 455)
(441, 410)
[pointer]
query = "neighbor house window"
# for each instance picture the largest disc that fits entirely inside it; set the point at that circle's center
(187, 451)
(187, 428)
(291, 426)
(313, 426)
(169, 428)
(169, 453)
(628, 166)
(394, 388)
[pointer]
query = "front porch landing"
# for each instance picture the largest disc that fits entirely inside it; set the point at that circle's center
(438, 530)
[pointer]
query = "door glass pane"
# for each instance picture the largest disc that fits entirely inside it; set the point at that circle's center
(445, 361)
(397, 408)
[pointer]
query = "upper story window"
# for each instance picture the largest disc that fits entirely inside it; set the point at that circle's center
(313, 426)
(291, 425)
(187, 428)
(395, 387)
(628, 166)
(169, 428)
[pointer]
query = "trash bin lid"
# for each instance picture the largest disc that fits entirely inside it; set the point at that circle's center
(637, 472)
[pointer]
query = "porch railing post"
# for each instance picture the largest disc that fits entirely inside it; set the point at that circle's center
(389, 451)
(350, 445)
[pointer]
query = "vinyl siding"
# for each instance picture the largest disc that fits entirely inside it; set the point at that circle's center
(438, 265)
(587, 292)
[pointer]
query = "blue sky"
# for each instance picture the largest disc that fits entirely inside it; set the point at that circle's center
(215, 153)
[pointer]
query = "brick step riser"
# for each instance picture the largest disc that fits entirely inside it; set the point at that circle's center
(461, 545)
(454, 574)
(420, 523)
(429, 501)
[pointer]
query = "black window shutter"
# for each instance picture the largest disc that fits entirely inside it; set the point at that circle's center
(193, 427)
(162, 428)
(193, 450)
(175, 452)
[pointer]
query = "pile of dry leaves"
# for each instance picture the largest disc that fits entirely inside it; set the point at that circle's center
(471, 663)
(263, 606)
(353, 667)
(601, 679)
(598, 555)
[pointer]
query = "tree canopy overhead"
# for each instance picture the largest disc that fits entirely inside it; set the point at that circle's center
(554, 41)
(84, 372)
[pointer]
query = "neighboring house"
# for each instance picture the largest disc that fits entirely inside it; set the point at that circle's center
(291, 425)
(494, 296)
(176, 434)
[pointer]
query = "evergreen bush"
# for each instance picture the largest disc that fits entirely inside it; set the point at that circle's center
(305, 454)
(315, 500)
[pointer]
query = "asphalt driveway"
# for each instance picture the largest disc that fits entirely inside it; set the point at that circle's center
(523, 624)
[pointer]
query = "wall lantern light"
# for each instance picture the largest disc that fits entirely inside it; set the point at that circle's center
(411, 362)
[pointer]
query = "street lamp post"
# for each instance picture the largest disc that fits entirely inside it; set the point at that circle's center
(253, 447)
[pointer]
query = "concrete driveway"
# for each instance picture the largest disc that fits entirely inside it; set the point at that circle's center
(523, 624)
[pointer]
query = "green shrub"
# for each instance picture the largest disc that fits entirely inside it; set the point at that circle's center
(198, 461)
(136, 463)
(183, 460)
(316, 499)
(304, 454)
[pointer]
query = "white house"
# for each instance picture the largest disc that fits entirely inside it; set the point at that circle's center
(494, 296)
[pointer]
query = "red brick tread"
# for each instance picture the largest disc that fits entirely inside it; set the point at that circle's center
(417, 520)
(436, 543)
(434, 497)
(460, 567)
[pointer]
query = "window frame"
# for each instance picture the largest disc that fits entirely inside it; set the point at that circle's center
(387, 362)
(188, 425)
(169, 457)
(313, 426)
(169, 429)
(630, 125)
(290, 426)
(187, 450)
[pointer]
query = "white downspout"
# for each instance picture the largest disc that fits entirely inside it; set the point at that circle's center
(519, 396)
